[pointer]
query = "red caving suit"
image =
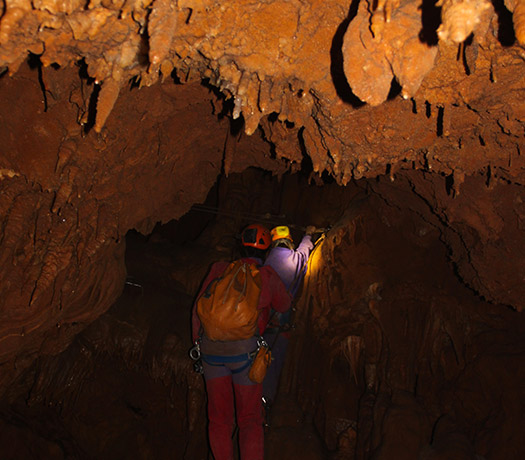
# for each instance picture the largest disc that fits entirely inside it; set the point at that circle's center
(227, 381)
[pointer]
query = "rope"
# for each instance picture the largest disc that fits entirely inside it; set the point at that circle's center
(234, 277)
(248, 216)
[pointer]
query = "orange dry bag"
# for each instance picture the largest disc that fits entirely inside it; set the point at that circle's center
(227, 308)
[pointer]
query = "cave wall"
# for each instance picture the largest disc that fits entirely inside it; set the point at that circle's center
(393, 355)
(68, 198)
(105, 127)
(124, 387)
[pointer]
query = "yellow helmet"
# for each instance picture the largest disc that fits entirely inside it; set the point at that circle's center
(280, 233)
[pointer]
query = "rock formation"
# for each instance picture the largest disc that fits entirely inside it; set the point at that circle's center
(120, 114)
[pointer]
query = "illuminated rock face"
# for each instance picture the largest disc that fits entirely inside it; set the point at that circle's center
(391, 351)
(106, 128)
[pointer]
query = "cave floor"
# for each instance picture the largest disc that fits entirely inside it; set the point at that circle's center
(291, 433)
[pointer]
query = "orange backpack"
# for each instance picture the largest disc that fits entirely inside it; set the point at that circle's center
(227, 308)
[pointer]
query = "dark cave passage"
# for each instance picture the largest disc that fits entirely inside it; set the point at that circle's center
(377, 121)
(392, 355)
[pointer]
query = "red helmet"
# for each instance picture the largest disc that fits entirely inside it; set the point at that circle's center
(256, 236)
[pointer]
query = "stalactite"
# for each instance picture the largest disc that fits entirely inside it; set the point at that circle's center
(65, 190)
(162, 28)
(15, 10)
(460, 18)
(106, 100)
(64, 154)
(283, 111)
(264, 101)
(382, 15)
(459, 178)
(371, 63)
(518, 18)
(57, 258)
(446, 120)
(247, 95)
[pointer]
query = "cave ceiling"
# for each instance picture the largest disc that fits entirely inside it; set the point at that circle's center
(457, 67)
(105, 120)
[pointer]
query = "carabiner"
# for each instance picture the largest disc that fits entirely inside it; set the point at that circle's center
(262, 343)
(195, 351)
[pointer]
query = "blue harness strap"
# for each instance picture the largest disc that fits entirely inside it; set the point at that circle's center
(215, 360)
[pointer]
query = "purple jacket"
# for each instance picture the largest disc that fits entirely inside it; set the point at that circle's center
(291, 265)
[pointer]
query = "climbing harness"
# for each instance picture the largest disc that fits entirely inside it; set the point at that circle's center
(247, 358)
(220, 360)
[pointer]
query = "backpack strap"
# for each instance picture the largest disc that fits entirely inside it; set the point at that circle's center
(207, 292)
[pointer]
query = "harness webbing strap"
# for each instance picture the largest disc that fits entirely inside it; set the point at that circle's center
(216, 360)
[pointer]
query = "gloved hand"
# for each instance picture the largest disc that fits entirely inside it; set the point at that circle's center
(310, 230)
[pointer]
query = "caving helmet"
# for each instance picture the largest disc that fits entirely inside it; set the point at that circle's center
(256, 236)
(281, 237)
(280, 233)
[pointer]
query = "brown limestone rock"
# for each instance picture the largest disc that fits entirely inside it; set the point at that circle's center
(372, 60)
